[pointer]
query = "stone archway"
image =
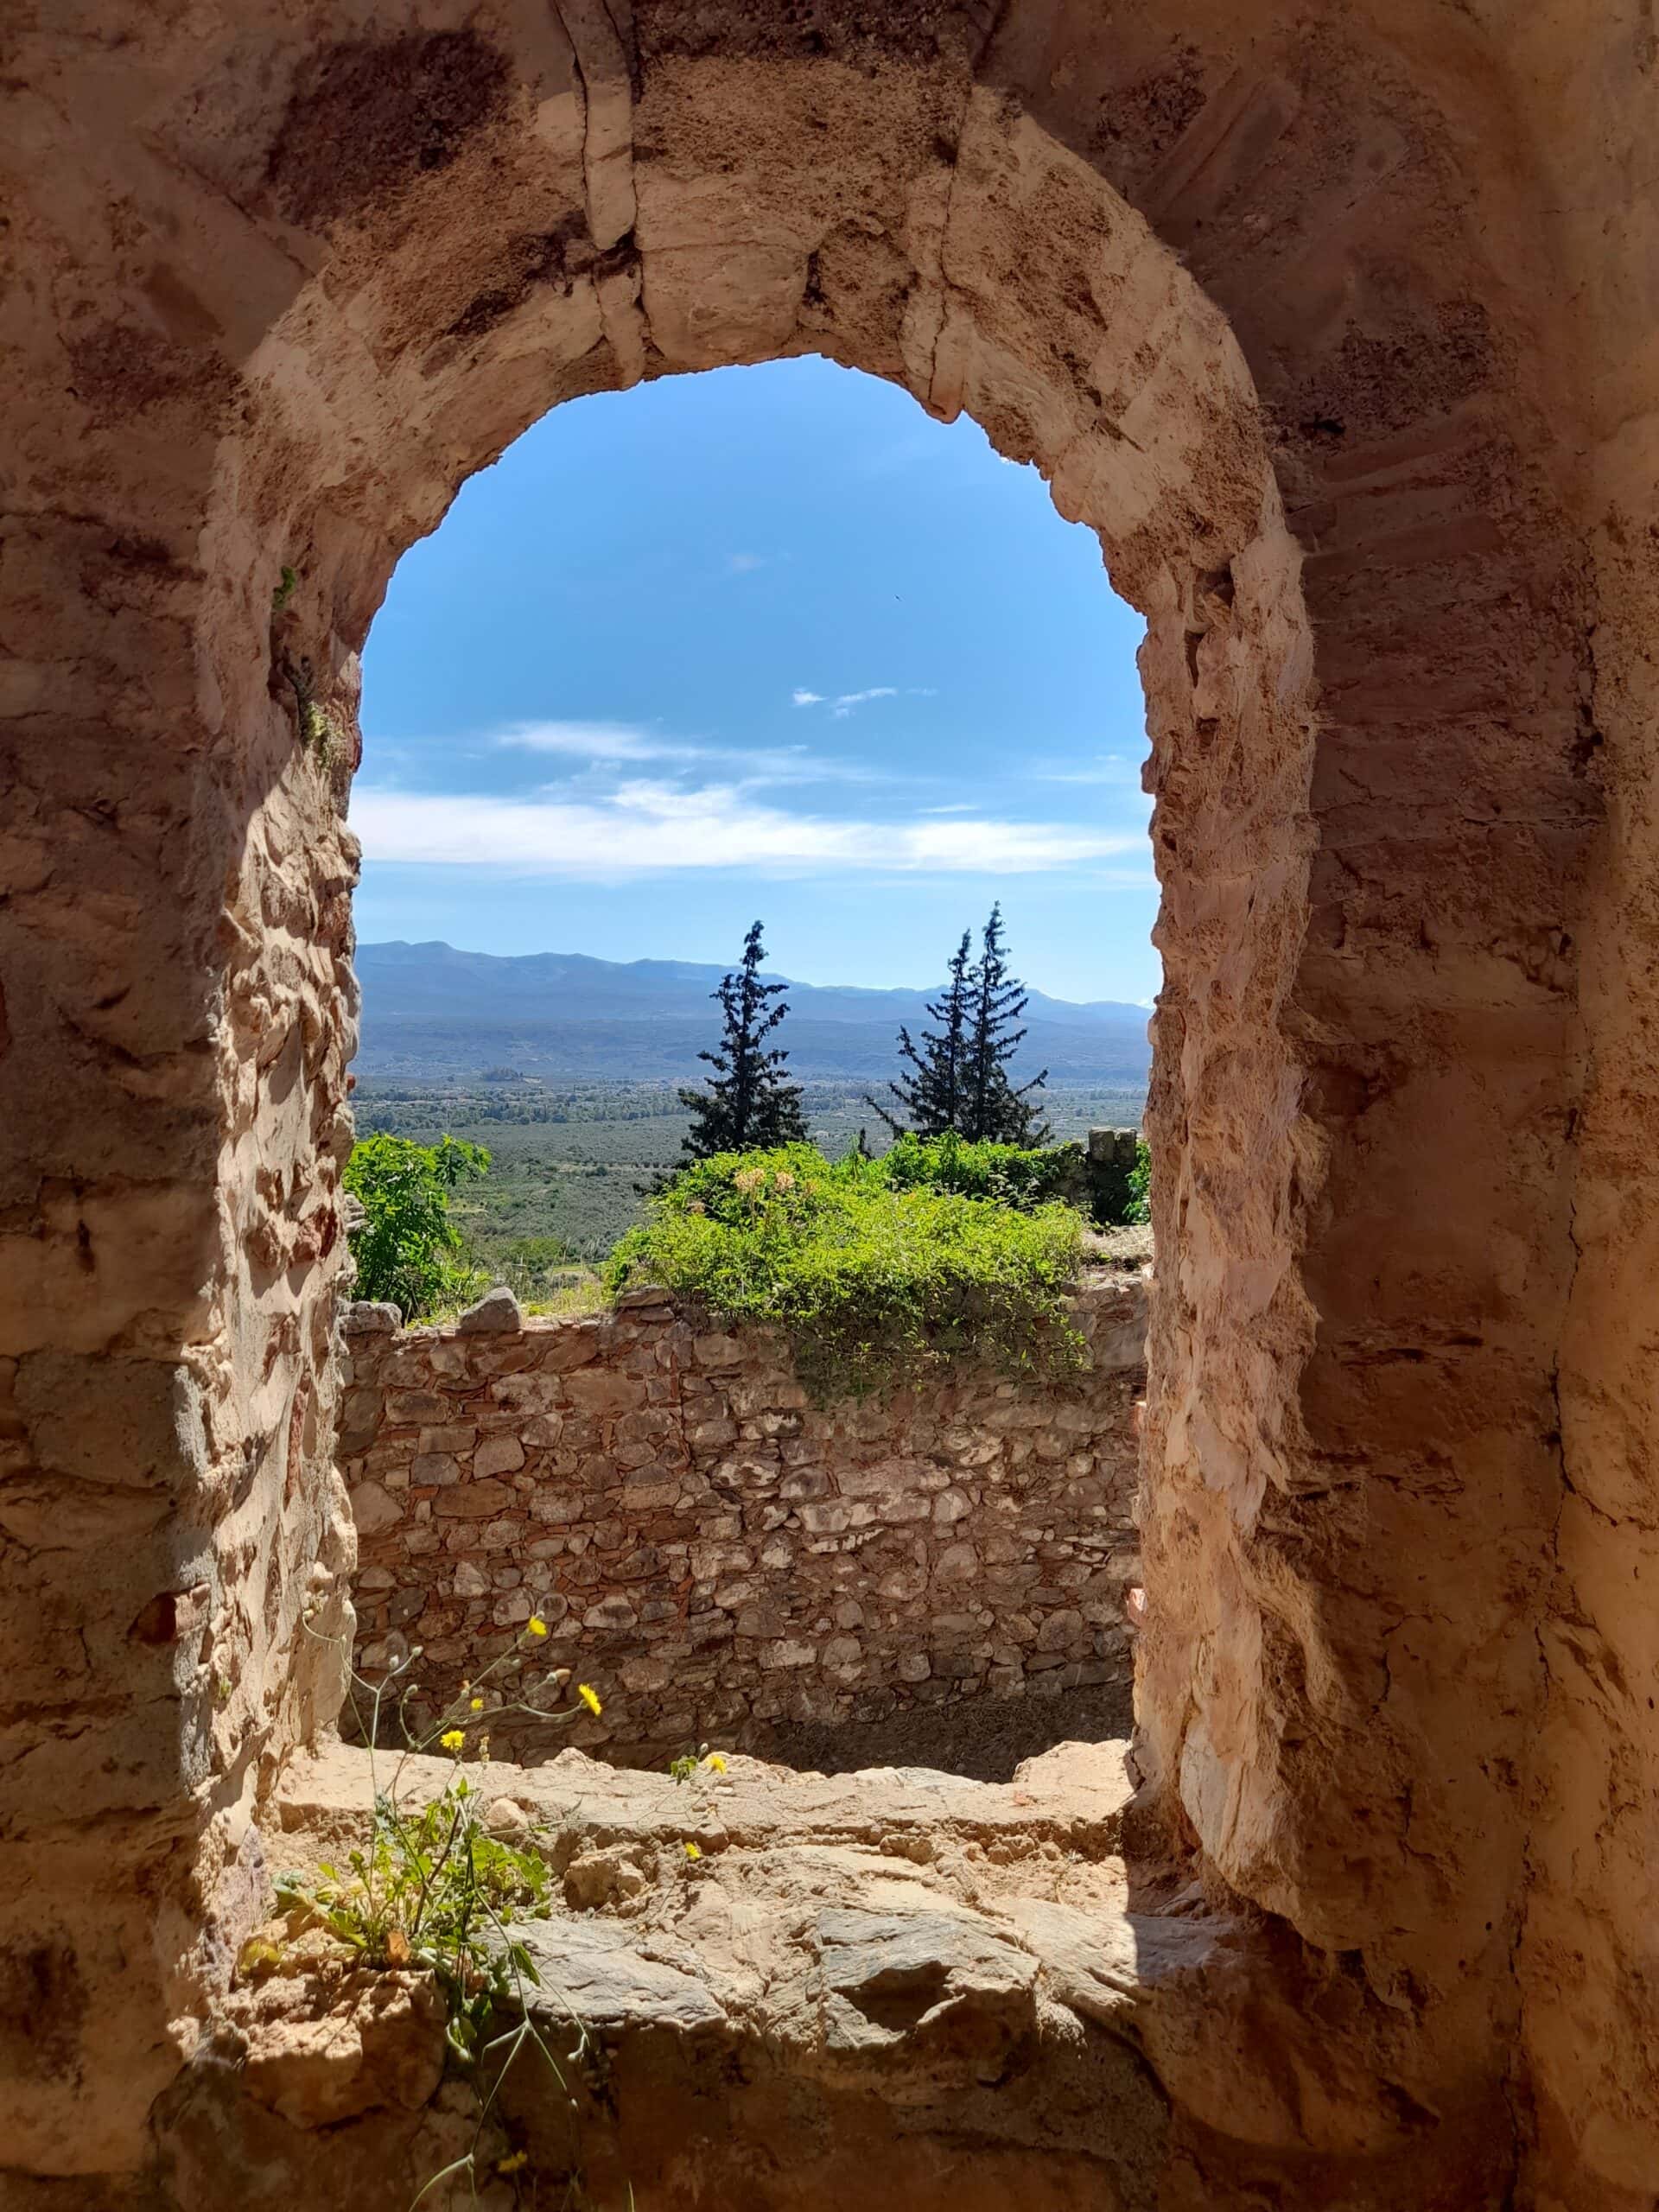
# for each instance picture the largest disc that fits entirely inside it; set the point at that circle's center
(1272, 302)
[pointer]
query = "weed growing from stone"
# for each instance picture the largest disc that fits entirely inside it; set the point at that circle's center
(875, 1286)
(433, 1890)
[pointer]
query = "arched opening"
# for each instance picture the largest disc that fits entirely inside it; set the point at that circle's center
(593, 754)
(386, 256)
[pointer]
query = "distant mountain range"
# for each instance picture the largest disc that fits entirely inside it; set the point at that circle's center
(430, 1012)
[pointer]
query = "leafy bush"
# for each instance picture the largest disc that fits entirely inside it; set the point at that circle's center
(876, 1283)
(1010, 1175)
(1140, 1207)
(406, 1243)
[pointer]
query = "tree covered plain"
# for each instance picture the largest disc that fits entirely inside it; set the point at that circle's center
(567, 1161)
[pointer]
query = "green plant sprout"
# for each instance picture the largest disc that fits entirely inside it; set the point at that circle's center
(433, 1891)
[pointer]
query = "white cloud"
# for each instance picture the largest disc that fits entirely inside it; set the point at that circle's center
(647, 828)
(623, 745)
(601, 741)
(844, 702)
(1106, 768)
(744, 564)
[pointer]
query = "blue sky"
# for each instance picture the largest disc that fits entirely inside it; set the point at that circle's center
(760, 642)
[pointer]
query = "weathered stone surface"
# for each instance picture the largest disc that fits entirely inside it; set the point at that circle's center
(497, 1312)
(854, 1950)
(612, 1988)
(368, 1317)
(1333, 321)
(889, 1508)
(379, 2041)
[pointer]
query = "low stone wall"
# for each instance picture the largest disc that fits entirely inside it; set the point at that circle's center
(719, 1557)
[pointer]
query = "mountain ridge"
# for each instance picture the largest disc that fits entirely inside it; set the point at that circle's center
(432, 1007)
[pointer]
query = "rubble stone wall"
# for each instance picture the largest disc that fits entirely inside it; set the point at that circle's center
(715, 1554)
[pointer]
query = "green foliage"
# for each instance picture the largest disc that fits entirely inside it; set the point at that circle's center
(405, 1246)
(1140, 1205)
(995, 1108)
(545, 1143)
(1010, 1175)
(433, 1890)
(746, 1104)
(876, 1284)
(933, 1098)
(284, 590)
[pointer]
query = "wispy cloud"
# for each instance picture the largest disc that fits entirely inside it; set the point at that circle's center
(621, 744)
(843, 706)
(744, 564)
(843, 703)
(612, 742)
(652, 827)
(1104, 768)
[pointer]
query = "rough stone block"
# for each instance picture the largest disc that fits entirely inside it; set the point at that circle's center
(498, 1455)
(473, 1501)
(373, 1509)
(496, 1313)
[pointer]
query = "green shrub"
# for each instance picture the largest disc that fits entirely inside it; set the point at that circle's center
(405, 1246)
(1140, 1205)
(1010, 1175)
(876, 1283)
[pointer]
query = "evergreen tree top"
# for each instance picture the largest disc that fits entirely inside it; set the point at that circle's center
(960, 1077)
(747, 1103)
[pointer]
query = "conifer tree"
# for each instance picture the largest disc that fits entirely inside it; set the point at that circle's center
(933, 1098)
(993, 1107)
(746, 1104)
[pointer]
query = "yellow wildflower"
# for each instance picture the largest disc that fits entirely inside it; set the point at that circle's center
(589, 1697)
(715, 1763)
(478, 1705)
(452, 1740)
(514, 2163)
(536, 1625)
(692, 1851)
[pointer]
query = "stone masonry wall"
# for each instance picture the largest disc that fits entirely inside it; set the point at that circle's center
(715, 1554)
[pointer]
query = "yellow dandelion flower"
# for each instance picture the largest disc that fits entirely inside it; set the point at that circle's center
(478, 1705)
(536, 1625)
(514, 2163)
(715, 1763)
(452, 1740)
(589, 1697)
(692, 1851)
